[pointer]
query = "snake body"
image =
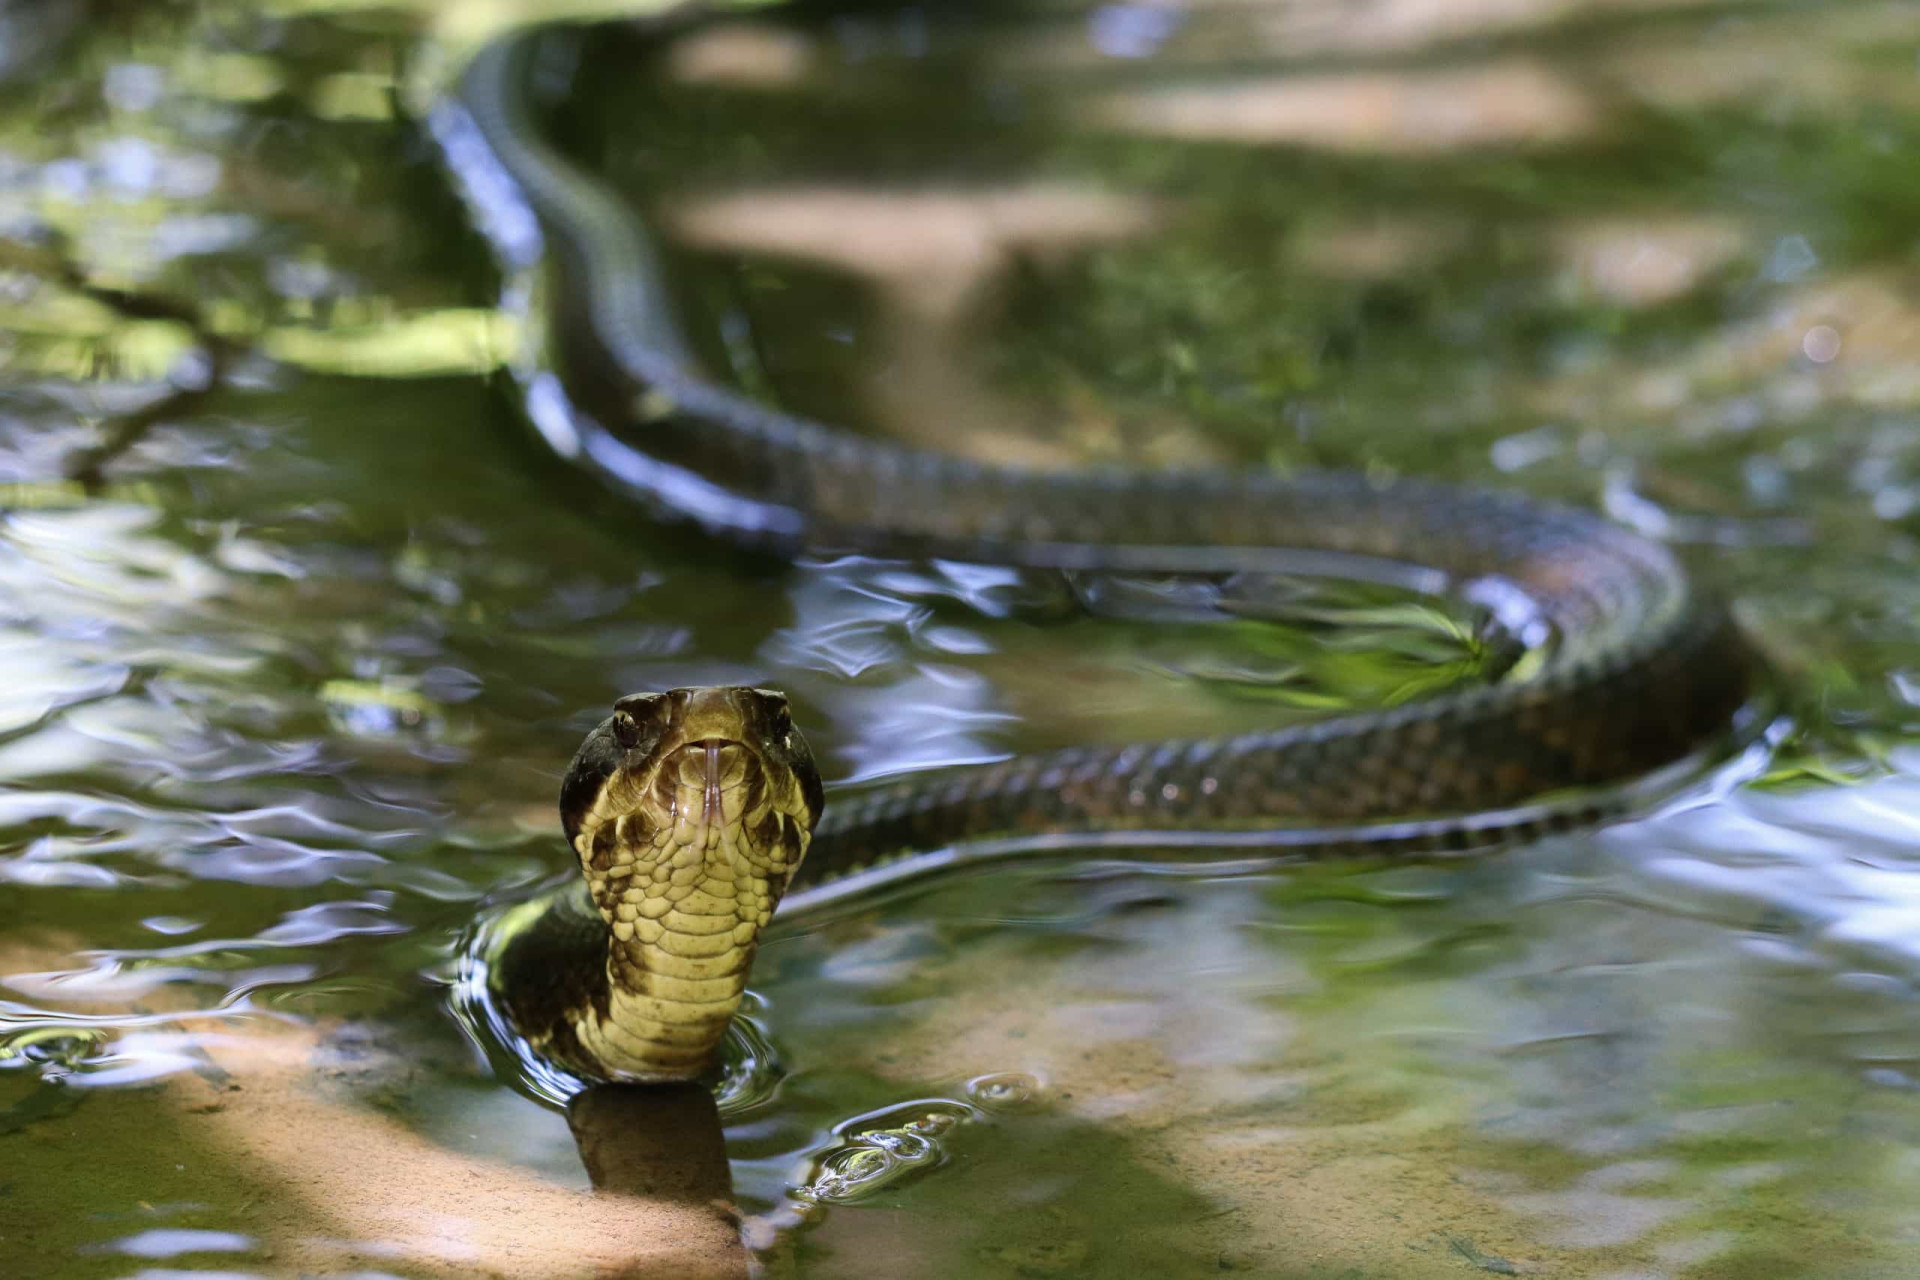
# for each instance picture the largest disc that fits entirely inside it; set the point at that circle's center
(1639, 667)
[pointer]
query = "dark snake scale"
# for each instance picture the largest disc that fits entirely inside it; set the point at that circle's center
(1639, 670)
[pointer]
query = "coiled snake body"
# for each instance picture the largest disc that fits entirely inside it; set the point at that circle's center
(691, 811)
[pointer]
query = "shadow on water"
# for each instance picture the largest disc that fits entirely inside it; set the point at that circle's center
(287, 699)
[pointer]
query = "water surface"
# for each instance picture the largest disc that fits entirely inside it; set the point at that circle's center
(290, 688)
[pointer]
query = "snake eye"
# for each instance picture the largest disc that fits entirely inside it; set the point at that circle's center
(779, 715)
(626, 730)
(641, 705)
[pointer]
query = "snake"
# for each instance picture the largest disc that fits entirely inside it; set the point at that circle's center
(693, 811)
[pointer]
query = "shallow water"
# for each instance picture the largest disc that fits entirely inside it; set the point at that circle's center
(289, 693)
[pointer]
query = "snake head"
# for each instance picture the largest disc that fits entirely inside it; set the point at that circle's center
(645, 728)
(690, 811)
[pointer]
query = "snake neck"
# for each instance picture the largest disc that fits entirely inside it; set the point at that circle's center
(667, 1004)
(684, 895)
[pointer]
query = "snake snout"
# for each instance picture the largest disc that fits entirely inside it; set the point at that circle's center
(712, 764)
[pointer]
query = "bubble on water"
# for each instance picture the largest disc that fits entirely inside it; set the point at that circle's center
(1821, 343)
(1003, 1091)
(878, 1150)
